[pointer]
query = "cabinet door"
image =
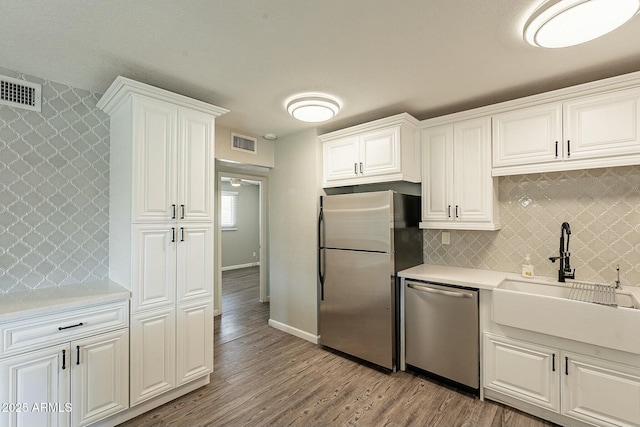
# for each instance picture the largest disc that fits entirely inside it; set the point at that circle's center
(528, 135)
(522, 370)
(600, 392)
(437, 175)
(195, 158)
(100, 376)
(154, 165)
(195, 262)
(154, 271)
(35, 386)
(602, 125)
(340, 159)
(379, 152)
(472, 171)
(194, 348)
(152, 354)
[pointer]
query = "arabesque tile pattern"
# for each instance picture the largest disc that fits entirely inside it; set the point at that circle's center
(601, 205)
(54, 190)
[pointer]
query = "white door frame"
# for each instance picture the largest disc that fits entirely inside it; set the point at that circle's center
(262, 215)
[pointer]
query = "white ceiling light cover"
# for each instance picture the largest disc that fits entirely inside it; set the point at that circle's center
(313, 107)
(563, 23)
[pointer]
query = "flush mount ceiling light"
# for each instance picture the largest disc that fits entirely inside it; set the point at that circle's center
(313, 107)
(562, 23)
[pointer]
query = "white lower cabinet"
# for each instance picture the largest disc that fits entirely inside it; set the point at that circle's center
(170, 347)
(522, 370)
(70, 384)
(153, 360)
(591, 390)
(31, 380)
(600, 392)
(194, 357)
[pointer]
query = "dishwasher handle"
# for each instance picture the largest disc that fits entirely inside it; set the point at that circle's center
(428, 289)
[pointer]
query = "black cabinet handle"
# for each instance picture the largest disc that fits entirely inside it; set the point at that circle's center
(553, 362)
(361, 168)
(173, 211)
(77, 355)
(556, 149)
(566, 365)
(568, 148)
(457, 207)
(173, 234)
(182, 211)
(449, 211)
(182, 234)
(355, 169)
(61, 328)
(64, 352)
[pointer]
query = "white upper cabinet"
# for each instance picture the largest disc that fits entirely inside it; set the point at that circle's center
(162, 154)
(380, 151)
(155, 157)
(592, 131)
(601, 126)
(528, 135)
(458, 191)
(196, 157)
(340, 158)
(173, 162)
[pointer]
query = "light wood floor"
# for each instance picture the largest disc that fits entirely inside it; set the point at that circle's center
(265, 377)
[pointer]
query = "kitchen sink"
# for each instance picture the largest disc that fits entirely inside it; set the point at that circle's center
(562, 290)
(545, 307)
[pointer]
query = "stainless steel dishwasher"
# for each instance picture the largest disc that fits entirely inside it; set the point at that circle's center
(441, 331)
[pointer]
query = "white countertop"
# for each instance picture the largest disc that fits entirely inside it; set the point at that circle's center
(475, 278)
(15, 305)
(470, 277)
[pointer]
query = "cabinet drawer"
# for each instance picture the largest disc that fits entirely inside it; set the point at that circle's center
(43, 331)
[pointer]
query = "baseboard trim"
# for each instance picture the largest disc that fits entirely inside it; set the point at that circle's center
(315, 339)
(236, 267)
(147, 406)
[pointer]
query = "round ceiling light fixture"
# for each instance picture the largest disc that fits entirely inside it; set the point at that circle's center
(563, 23)
(313, 107)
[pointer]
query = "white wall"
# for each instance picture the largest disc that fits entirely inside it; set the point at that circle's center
(239, 244)
(263, 157)
(294, 187)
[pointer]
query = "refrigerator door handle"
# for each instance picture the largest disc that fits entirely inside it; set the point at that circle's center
(430, 290)
(320, 274)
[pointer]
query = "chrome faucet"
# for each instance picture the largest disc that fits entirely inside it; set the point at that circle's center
(564, 272)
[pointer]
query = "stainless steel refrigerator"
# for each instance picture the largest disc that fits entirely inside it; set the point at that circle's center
(364, 240)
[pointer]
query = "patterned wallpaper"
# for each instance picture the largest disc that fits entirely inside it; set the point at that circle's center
(54, 190)
(601, 205)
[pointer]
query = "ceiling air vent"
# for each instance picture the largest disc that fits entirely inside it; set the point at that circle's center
(244, 143)
(20, 94)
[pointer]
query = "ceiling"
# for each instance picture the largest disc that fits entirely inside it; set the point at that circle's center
(379, 57)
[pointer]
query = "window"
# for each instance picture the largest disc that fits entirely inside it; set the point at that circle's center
(229, 210)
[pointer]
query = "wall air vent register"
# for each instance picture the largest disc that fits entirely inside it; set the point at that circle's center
(244, 143)
(20, 94)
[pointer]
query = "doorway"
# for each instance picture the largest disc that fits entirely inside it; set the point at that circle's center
(241, 231)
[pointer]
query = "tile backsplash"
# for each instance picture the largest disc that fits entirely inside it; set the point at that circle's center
(54, 190)
(601, 205)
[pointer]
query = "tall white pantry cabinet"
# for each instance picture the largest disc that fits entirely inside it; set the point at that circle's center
(161, 231)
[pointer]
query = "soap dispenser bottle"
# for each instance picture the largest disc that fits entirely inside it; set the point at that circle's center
(527, 268)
